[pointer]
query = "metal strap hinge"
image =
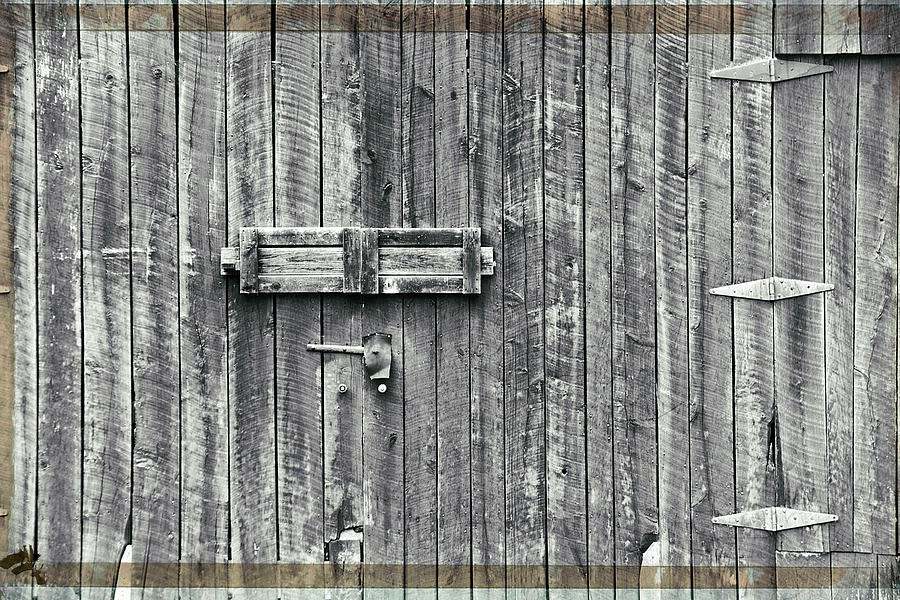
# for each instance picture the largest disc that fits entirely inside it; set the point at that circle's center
(775, 518)
(772, 289)
(770, 70)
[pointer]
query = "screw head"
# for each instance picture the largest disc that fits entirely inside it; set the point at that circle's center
(382, 388)
(342, 388)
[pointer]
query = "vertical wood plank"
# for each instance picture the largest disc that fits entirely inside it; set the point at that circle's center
(564, 312)
(419, 316)
(59, 295)
(753, 322)
(251, 339)
(888, 577)
(634, 294)
(23, 219)
(798, 27)
(878, 27)
(840, 27)
(803, 575)
(486, 314)
(341, 197)
(841, 99)
(298, 318)
(204, 320)
(674, 451)
(798, 237)
(9, 21)
(523, 280)
(383, 442)
(598, 306)
(106, 294)
(451, 152)
(709, 216)
(854, 576)
(875, 353)
(154, 281)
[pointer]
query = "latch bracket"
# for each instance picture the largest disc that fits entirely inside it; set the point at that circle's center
(376, 353)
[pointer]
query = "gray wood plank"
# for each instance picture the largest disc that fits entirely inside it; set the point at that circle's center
(564, 311)
(486, 360)
(709, 249)
(854, 576)
(298, 408)
(453, 328)
(803, 575)
(419, 314)
(154, 282)
(878, 27)
(341, 324)
(59, 392)
(251, 340)
(840, 27)
(23, 218)
(203, 325)
(674, 290)
(798, 27)
(798, 238)
(106, 294)
(888, 577)
(754, 391)
(523, 281)
(633, 294)
(875, 352)
(598, 307)
(381, 204)
(841, 100)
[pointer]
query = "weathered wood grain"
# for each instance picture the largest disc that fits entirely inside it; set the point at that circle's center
(878, 27)
(854, 576)
(840, 27)
(798, 237)
(802, 575)
(709, 219)
(633, 281)
(523, 282)
(154, 282)
(564, 311)
(341, 172)
(298, 406)
(419, 314)
(753, 322)
(381, 204)
(451, 150)
(598, 307)
(17, 21)
(888, 577)
(875, 309)
(251, 339)
(58, 535)
(203, 326)
(673, 258)
(798, 27)
(486, 314)
(106, 295)
(840, 229)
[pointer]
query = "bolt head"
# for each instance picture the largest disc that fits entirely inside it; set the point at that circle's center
(342, 388)
(382, 388)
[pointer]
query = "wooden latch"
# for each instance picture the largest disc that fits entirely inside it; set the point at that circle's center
(359, 260)
(772, 289)
(770, 70)
(775, 518)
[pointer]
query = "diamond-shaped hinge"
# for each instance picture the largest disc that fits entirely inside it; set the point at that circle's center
(775, 518)
(772, 289)
(770, 70)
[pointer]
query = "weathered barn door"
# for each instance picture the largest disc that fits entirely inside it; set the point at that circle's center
(581, 412)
